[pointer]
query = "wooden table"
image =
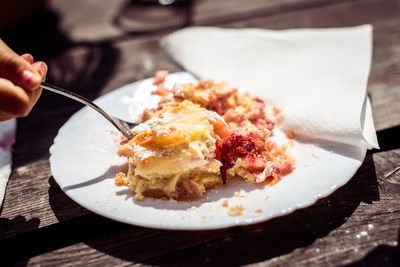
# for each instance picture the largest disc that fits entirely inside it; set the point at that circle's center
(86, 47)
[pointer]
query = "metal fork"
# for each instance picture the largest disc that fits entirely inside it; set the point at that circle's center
(123, 126)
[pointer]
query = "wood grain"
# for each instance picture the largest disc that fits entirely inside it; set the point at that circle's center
(97, 69)
(357, 225)
(317, 235)
(384, 80)
(92, 22)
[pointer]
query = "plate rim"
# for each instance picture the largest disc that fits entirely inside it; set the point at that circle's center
(254, 220)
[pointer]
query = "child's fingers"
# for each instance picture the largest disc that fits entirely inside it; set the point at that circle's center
(15, 101)
(17, 69)
(41, 68)
(34, 96)
(28, 58)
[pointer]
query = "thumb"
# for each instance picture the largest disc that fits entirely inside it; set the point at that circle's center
(17, 70)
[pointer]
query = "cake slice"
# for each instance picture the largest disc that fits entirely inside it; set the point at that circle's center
(200, 136)
(173, 154)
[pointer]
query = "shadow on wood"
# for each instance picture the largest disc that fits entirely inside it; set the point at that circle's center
(85, 72)
(383, 255)
(38, 35)
(234, 246)
(16, 225)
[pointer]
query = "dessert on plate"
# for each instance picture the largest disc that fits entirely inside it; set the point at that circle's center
(200, 136)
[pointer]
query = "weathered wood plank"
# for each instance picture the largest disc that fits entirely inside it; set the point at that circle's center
(96, 69)
(383, 15)
(387, 166)
(91, 21)
(286, 241)
(358, 224)
(319, 234)
(32, 195)
(33, 199)
(350, 226)
(211, 12)
(385, 72)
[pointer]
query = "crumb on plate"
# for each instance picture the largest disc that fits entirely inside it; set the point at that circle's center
(239, 195)
(290, 134)
(121, 179)
(236, 210)
(290, 143)
(276, 110)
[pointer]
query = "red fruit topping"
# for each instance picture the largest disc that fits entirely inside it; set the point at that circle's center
(232, 147)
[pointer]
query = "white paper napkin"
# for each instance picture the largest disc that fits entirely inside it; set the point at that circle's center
(7, 139)
(318, 77)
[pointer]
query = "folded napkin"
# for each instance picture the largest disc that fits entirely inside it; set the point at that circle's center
(7, 138)
(318, 77)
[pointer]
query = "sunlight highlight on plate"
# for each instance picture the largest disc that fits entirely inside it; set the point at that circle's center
(84, 162)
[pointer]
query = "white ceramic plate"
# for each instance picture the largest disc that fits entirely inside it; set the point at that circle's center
(84, 162)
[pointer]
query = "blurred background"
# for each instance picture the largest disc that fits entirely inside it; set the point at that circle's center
(94, 46)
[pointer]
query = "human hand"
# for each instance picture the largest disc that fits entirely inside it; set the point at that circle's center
(20, 78)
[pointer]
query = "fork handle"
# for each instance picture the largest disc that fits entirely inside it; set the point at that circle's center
(87, 102)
